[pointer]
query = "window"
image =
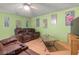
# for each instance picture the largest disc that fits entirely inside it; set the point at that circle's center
(53, 19)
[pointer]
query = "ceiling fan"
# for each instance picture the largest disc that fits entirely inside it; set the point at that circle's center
(28, 6)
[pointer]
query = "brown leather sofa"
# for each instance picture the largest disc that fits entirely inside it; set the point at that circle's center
(11, 46)
(24, 38)
(26, 34)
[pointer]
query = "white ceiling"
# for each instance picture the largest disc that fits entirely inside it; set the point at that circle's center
(42, 8)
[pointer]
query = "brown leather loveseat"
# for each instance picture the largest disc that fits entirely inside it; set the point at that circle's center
(26, 34)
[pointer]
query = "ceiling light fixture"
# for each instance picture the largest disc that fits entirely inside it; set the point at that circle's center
(26, 7)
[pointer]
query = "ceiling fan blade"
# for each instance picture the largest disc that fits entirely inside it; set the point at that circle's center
(20, 7)
(33, 7)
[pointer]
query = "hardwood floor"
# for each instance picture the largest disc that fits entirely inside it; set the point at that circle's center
(39, 47)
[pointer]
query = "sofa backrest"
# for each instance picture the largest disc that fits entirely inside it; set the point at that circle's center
(8, 40)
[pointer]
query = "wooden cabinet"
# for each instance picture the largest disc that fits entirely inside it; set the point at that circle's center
(73, 42)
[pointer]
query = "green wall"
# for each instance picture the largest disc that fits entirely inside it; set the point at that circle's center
(60, 30)
(6, 32)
